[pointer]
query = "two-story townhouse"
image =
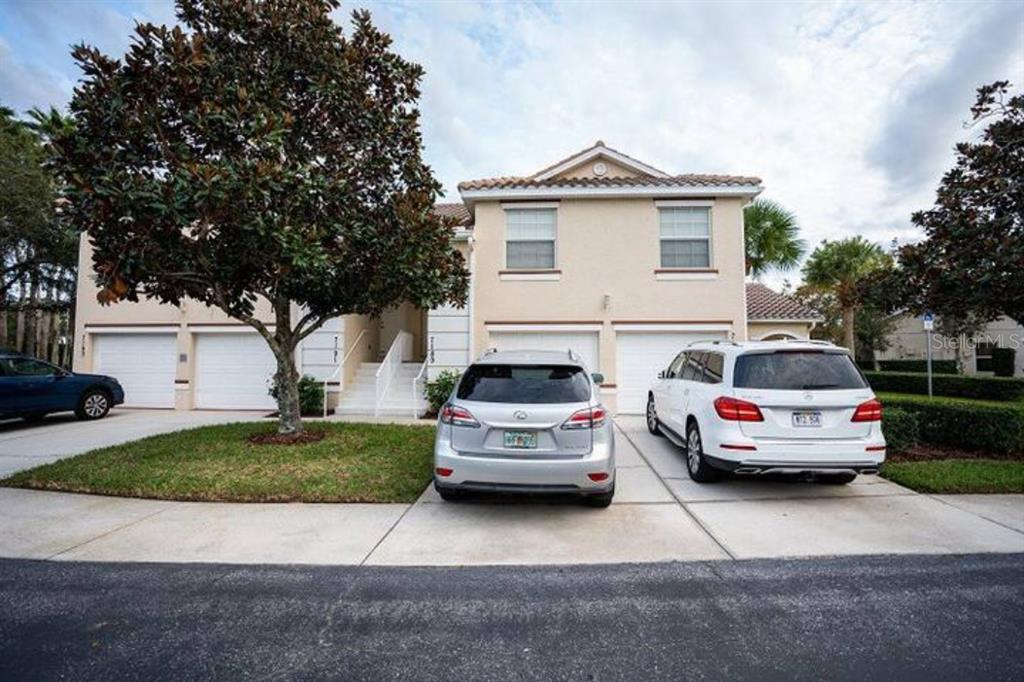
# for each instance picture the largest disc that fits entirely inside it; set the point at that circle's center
(599, 253)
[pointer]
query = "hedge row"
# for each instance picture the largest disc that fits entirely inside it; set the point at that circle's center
(901, 428)
(979, 388)
(964, 424)
(938, 366)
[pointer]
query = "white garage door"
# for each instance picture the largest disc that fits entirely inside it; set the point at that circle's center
(233, 372)
(582, 343)
(639, 356)
(143, 363)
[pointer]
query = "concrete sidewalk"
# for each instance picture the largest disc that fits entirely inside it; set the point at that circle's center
(658, 515)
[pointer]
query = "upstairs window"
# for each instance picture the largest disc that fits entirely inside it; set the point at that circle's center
(530, 239)
(685, 237)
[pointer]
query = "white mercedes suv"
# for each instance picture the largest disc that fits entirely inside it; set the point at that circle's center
(769, 407)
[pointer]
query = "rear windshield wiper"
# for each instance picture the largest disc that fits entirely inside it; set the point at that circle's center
(811, 387)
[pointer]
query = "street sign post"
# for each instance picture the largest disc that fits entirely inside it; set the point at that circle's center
(929, 323)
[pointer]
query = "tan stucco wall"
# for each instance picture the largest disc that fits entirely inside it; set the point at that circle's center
(756, 330)
(909, 341)
(586, 170)
(608, 247)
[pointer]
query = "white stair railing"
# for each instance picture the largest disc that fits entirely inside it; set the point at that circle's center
(400, 349)
(417, 388)
(340, 369)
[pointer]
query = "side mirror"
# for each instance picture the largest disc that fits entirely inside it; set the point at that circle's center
(661, 374)
(597, 378)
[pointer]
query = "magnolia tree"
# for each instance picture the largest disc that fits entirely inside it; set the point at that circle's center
(259, 153)
(971, 262)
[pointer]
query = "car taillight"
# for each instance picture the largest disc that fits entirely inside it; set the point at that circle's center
(736, 410)
(458, 416)
(871, 411)
(590, 418)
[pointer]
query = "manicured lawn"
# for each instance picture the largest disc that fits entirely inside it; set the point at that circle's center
(958, 475)
(353, 463)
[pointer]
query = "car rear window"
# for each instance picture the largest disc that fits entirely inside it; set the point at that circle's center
(530, 384)
(798, 370)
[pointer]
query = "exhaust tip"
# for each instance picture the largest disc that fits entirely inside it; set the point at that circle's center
(869, 472)
(747, 470)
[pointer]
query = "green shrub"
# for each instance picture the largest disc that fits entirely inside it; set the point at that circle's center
(901, 429)
(964, 424)
(938, 366)
(1003, 361)
(980, 388)
(311, 395)
(441, 388)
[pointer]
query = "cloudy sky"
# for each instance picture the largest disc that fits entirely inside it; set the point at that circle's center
(847, 110)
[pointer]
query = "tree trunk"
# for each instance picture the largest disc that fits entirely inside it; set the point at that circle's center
(19, 330)
(848, 333)
(54, 335)
(31, 319)
(3, 329)
(289, 420)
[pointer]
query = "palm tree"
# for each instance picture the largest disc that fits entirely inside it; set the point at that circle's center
(772, 238)
(841, 268)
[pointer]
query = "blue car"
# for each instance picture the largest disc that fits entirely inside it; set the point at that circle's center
(31, 388)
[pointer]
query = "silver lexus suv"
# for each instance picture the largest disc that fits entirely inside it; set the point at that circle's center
(526, 421)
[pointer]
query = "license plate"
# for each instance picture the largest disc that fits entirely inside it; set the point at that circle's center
(804, 419)
(523, 440)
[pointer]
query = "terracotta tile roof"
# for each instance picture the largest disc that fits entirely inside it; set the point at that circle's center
(638, 181)
(765, 304)
(647, 176)
(455, 210)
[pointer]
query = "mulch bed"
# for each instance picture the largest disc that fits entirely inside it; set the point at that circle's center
(287, 439)
(924, 452)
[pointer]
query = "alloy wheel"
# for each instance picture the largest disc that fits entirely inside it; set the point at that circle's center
(95, 405)
(693, 450)
(652, 417)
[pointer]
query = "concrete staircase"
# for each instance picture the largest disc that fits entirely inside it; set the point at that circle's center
(359, 396)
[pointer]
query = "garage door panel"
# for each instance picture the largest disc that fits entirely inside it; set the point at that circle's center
(144, 365)
(584, 344)
(233, 372)
(639, 356)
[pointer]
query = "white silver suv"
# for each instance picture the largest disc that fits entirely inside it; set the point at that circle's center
(526, 421)
(769, 407)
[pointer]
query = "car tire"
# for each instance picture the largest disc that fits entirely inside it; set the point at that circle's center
(696, 463)
(837, 479)
(94, 404)
(602, 500)
(653, 425)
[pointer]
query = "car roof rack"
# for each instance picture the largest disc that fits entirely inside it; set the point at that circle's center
(714, 342)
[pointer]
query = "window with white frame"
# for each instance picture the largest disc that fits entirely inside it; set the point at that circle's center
(685, 237)
(530, 238)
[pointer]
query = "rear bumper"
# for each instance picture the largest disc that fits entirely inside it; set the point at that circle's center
(523, 475)
(762, 456)
(764, 466)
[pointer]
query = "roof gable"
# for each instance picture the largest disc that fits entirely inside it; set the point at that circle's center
(616, 164)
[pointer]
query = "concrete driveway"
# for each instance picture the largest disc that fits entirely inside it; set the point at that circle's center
(658, 515)
(24, 445)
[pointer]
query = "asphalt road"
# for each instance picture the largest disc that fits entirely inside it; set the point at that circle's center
(888, 618)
